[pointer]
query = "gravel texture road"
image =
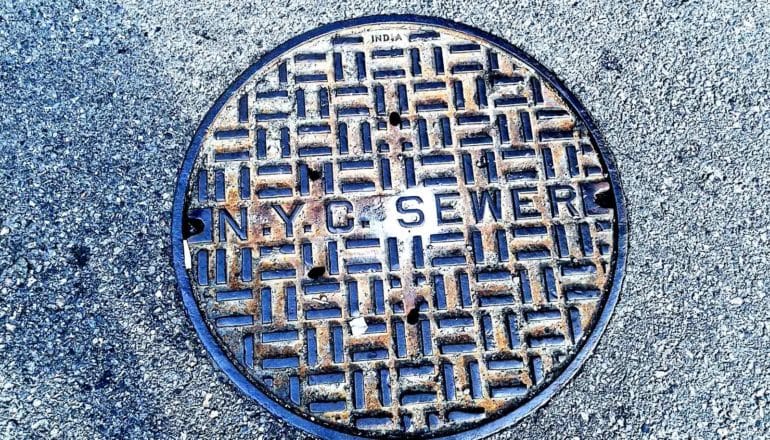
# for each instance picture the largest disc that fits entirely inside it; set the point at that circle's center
(98, 101)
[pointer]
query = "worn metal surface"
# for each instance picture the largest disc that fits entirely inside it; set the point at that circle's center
(399, 228)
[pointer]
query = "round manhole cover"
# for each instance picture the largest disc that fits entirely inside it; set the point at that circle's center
(398, 226)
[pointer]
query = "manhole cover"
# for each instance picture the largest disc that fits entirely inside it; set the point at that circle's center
(398, 226)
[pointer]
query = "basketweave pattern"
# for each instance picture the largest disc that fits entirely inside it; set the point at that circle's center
(504, 288)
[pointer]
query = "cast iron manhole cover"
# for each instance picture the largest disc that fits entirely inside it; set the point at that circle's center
(398, 226)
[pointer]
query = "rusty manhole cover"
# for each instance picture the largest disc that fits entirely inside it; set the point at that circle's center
(398, 226)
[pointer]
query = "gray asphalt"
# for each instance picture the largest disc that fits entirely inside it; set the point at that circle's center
(98, 102)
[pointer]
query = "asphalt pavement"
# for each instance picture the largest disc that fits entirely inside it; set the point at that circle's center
(99, 100)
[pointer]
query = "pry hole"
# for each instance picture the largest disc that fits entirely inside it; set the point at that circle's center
(394, 119)
(313, 174)
(316, 272)
(413, 316)
(604, 199)
(192, 226)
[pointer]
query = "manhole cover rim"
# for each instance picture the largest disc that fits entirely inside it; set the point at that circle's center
(222, 360)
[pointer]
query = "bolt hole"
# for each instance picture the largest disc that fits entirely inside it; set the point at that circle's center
(604, 199)
(192, 226)
(394, 118)
(313, 174)
(316, 272)
(413, 316)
